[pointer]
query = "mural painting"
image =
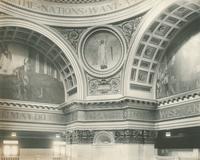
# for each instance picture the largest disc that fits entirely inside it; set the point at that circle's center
(102, 50)
(27, 75)
(180, 71)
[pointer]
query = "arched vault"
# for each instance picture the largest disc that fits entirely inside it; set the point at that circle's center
(154, 35)
(49, 43)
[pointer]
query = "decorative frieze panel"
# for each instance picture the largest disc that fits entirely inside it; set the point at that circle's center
(128, 136)
(80, 137)
(99, 86)
(135, 136)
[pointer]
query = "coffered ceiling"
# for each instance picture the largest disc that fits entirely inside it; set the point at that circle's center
(156, 39)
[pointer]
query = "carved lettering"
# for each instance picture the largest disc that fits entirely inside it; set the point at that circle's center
(30, 116)
(72, 10)
(179, 111)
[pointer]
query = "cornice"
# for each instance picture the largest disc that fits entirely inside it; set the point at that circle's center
(14, 104)
(182, 97)
(109, 101)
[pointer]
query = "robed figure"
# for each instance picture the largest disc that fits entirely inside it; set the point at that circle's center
(103, 54)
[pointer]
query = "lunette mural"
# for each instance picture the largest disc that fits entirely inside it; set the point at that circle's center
(27, 75)
(180, 71)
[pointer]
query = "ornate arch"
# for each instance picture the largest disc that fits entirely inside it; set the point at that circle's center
(55, 47)
(153, 37)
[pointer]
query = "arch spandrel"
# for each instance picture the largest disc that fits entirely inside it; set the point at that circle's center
(51, 46)
(159, 27)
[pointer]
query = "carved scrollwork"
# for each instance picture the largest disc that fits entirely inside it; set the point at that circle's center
(71, 35)
(129, 27)
(110, 137)
(104, 86)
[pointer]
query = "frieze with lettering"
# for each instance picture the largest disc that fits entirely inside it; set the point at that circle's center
(181, 111)
(111, 115)
(73, 10)
(33, 117)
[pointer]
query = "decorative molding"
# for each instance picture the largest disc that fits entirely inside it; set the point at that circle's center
(119, 101)
(9, 126)
(111, 125)
(178, 123)
(27, 105)
(191, 95)
(129, 136)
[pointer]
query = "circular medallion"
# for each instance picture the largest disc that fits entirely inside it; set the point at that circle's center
(102, 51)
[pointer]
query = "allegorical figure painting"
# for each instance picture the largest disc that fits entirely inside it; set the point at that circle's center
(102, 56)
(179, 71)
(102, 50)
(27, 75)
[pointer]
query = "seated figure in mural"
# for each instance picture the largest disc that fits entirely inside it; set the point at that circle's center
(23, 78)
(5, 58)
